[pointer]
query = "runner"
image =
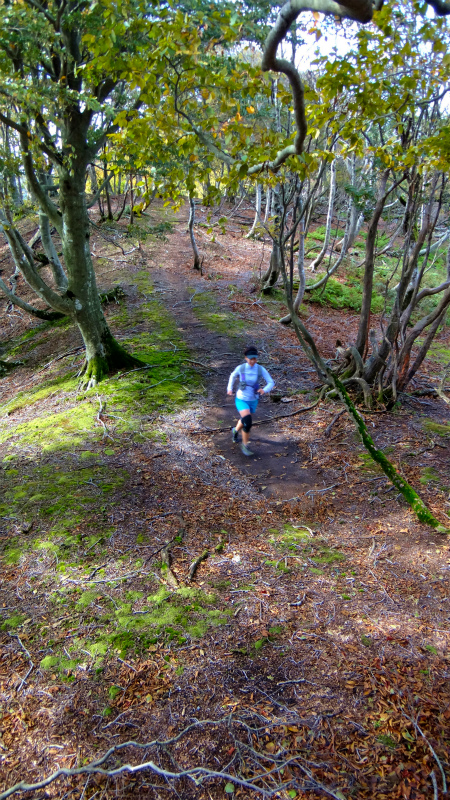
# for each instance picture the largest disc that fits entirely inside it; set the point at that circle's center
(248, 394)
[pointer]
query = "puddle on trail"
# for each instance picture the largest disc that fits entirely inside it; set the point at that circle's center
(276, 467)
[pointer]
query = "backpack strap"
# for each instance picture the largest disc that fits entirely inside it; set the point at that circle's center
(242, 383)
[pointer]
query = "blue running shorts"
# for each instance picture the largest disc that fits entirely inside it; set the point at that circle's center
(250, 405)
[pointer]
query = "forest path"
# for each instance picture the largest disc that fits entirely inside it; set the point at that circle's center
(277, 469)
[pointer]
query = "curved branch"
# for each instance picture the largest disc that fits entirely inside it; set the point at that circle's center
(360, 10)
(196, 774)
(40, 195)
(24, 261)
(36, 312)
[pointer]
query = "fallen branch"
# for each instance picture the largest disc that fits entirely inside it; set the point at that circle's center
(196, 563)
(264, 421)
(59, 358)
(432, 751)
(333, 421)
(106, 433)
(23, 680)
(166, 571)
(257, 783)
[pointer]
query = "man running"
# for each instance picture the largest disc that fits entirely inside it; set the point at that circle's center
(248, 394)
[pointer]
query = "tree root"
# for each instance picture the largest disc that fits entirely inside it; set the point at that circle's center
(99, 366)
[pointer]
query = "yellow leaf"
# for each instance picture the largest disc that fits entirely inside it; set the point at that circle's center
(250, 109)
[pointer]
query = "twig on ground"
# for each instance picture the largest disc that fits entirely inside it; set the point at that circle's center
(435, 786)
(167, 573)
(432, 751)
(23, 680)
(106, 433)
(58, 358)
(321, 491)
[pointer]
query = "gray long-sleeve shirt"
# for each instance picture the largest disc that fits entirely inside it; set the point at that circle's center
(251, 378)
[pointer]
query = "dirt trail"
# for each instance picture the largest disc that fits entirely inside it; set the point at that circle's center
(277, 469)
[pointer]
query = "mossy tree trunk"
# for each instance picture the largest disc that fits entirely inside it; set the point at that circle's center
(103, 353)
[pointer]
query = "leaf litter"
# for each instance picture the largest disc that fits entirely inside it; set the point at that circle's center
(313, 639)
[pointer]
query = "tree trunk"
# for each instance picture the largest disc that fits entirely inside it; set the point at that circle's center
(59, 275)
(131, 201)
(301, 273)
(364, 319)
(197, 264)
(350, 230)
(319, 258)
(257, 212)
(103, 353)
(268, 201)
(12, 298)
(108, 198)
(378, 360)
(271, 275)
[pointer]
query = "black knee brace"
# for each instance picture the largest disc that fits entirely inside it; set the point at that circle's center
(247, 422)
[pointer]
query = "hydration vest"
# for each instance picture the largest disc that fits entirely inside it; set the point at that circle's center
(243, 383)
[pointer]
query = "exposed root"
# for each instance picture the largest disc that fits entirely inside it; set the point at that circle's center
(98, 367)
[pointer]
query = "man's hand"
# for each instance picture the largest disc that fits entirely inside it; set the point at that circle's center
(260, 391)
(230, 393)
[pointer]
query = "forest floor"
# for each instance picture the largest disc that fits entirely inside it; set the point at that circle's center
(306, 653)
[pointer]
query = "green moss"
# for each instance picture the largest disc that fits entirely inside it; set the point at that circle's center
(367, 464)
(172, 616)
(290, 536)
(59, 663)
(87, 598)
(21, 345)
(63, 386)
(442, 429)
(439, 352)
(327, 555)
(13, 554)
(56, 431)
(429, 474)
(213, 317)
(387, 740)
(13, 622)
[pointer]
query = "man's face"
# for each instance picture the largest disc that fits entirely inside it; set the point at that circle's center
(251, 360)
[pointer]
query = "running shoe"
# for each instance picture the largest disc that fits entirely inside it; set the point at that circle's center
(246, 450)
(234, 435)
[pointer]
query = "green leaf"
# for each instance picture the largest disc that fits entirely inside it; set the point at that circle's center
(229, 788)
